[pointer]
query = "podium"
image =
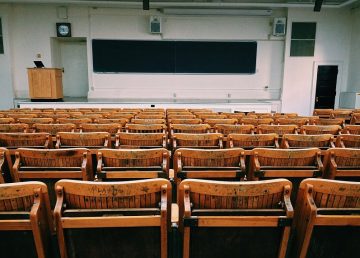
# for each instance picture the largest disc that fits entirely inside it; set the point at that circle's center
(45, 83)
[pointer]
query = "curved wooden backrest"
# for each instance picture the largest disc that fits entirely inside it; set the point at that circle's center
(15, 140)
(76, 121)
(342, 162)
(197, 140)
(352, 129)
(53, 129)
(330, 121)
(31, 121)
(12, 128)
(5, 166)
(214, 122)
(137, 140)
(148, 121)
(145, 128)
(305, 141)
(150, 116)
(21, 115)
(185, 121)
(256, 121)
(190, 128)
(180, 116)
(135, 158)
(278, 129)
(348, 141)
(226, 129)
(111, 128)
(7, 120)
(323, 112)
(253, 140)
(292, 121)
(321, 129)
(121, 121)
(92, 139)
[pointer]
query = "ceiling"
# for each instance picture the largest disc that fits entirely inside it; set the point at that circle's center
(200, 3)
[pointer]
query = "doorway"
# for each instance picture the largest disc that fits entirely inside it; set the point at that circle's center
(71, 55)
(326, 82)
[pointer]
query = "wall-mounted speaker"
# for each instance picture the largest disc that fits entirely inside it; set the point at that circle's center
(279, 27)
(155, 25)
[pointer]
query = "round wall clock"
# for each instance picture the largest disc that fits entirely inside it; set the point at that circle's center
(63, 29)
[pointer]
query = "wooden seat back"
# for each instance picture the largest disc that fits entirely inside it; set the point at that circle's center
(256, 121)
(7, 120)
(198, 163)
(321, 129)
(250, 141)
(76, 121)
(201, 140)
(33, 140)
(275, 163)
(112, 128)
(220, 219)
(322, 112)
(150, 116)
(37, 120)
(331, 121)
(14, 128)
(213, 122)
(278, 129)
(351, 129)
(227, 129)
(237, 116)
(133, 164)
(53, 129)
(146, 128)
(342, 163)
(292, 121)
(321, 141)
(342, 113)
(180, 116)
(348, 141)
(189, 128)
(130, 219)
(184, 121)
(140, 140)
(5, 166)
(25, 220)
(121, 121)
(355, 118)
(87, 140)
(148, 121)
(327, 219)
(18, 115)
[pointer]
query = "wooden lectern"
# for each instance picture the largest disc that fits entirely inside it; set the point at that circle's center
(45, 83)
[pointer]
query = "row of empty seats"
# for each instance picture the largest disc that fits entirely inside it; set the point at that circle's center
(216, 219)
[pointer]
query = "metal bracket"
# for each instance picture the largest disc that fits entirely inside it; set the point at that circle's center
(284, 222)
(191, 222)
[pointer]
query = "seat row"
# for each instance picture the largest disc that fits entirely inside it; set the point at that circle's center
(215, 219)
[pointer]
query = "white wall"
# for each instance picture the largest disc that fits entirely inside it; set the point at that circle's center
(6, 88)
(332, 45)
(288, 78)
(354, 66)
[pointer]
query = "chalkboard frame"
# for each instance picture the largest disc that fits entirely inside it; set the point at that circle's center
(174, 56)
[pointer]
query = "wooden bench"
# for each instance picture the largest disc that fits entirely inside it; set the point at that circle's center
(117, 219)
(235, 219)
(132, 164)
(327, 219)
(140, 140)
(250, 141)
(342, 163)
(25, 220)
(227, 164)
(321, 141)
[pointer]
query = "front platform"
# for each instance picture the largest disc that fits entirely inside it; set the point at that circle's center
(216, 105)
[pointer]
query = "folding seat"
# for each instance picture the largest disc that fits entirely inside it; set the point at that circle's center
(92, 140)
(117, 219)
(76, 121)
(292, 121)
(250, 141)
(351, 129)
(278, 129)
(348, 141)
(184, 121)
(256, 121)
(235, 219)
(132, 164)
(5, 166)
(148, 121)
(140, 140)
(189, 128)
(111, 128)
(331, 121)
(53, 129)
(198, 140)
(14, 128)
(321, 129)
(146, 128)
(227, 129)
(12, 141)
(327, 219)
(301, 141)
(25, 220)
(322, 112)
(343, 164)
